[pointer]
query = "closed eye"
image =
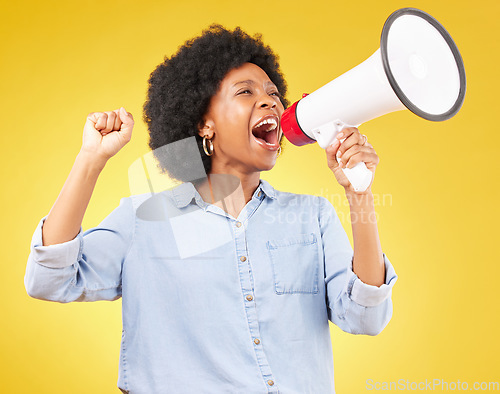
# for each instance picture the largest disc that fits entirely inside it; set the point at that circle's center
(245, 91)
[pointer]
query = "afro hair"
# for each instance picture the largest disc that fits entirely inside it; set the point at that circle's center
(180, 90)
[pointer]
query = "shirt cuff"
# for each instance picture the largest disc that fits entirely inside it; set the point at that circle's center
(369, 295)
(59, 255)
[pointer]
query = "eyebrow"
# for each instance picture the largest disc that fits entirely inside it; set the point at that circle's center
(251, 82)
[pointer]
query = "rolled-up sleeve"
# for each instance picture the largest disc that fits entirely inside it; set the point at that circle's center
(353, 305)
(369, 295)
(86, 268)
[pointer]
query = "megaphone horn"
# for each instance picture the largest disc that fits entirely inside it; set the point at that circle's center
(418, 67)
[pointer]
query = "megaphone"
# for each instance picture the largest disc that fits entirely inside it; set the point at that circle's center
(417, 67)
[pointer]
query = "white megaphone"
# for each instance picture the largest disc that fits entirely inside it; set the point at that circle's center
(418, 67)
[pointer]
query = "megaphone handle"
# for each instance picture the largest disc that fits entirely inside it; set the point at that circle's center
(359, 176)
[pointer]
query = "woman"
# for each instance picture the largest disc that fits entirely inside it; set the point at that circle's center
(227, 286)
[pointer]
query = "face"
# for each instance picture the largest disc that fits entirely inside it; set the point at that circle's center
(243, 120)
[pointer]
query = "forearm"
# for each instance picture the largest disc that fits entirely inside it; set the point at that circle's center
(368, 263)
(65, 218)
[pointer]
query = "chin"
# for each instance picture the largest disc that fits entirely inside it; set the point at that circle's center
(267, 166)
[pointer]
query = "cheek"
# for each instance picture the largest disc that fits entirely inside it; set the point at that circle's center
(234, 124)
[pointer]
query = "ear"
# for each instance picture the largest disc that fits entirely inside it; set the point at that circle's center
(206, 128)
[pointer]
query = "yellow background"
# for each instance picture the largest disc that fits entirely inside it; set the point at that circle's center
(62, 60)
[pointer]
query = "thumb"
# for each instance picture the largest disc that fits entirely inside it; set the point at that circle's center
(331, 154)
(126, 117)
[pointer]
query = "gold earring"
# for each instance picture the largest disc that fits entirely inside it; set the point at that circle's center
(211, 146)
(279, 151)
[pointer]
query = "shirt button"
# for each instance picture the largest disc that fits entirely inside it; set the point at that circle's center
(259, 194)
(243, 258)
(270, 382)
(249, 297)
(256, 341)
(238, 224)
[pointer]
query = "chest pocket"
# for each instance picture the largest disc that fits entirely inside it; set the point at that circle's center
(295, 264)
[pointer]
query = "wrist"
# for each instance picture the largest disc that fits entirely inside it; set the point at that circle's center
(358, 198)
(91, 160)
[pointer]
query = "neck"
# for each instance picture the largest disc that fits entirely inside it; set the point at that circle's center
(229, 192)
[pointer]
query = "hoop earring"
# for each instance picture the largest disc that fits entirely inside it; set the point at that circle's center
(211, 146)
(279, 152)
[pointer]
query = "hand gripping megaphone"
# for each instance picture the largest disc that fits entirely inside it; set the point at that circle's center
(417, 67)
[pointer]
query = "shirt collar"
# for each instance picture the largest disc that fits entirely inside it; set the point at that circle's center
(267, 189)
(185, 192)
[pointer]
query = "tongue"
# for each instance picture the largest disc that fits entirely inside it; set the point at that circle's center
(271, 137)
(264, 137)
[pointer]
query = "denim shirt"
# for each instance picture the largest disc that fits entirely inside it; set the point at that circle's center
(214, 304)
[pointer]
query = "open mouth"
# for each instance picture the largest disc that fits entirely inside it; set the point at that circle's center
(266, 132)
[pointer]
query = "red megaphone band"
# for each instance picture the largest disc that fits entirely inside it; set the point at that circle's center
(291, 128)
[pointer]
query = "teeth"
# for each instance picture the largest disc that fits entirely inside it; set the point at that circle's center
(268, 121)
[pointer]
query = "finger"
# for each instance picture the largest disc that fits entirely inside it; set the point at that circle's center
(93, 117)
(126, 117)
(128, 124)
(110, 121)
(346, 132)
(102, 119)
(370, 158)
(353, 150)
(118, 122)
(347, 138)
(352, 137)
(331, 151)
(346, 155)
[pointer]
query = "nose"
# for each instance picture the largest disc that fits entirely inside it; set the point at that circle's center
(266, 101)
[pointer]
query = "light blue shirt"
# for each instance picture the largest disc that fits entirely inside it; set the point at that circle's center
(212, 304)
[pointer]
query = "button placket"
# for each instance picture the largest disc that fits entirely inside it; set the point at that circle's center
(246, 281)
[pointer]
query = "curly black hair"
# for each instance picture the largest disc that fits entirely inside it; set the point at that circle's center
(180, 89)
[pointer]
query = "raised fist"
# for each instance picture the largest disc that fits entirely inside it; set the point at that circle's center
(105, 133)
